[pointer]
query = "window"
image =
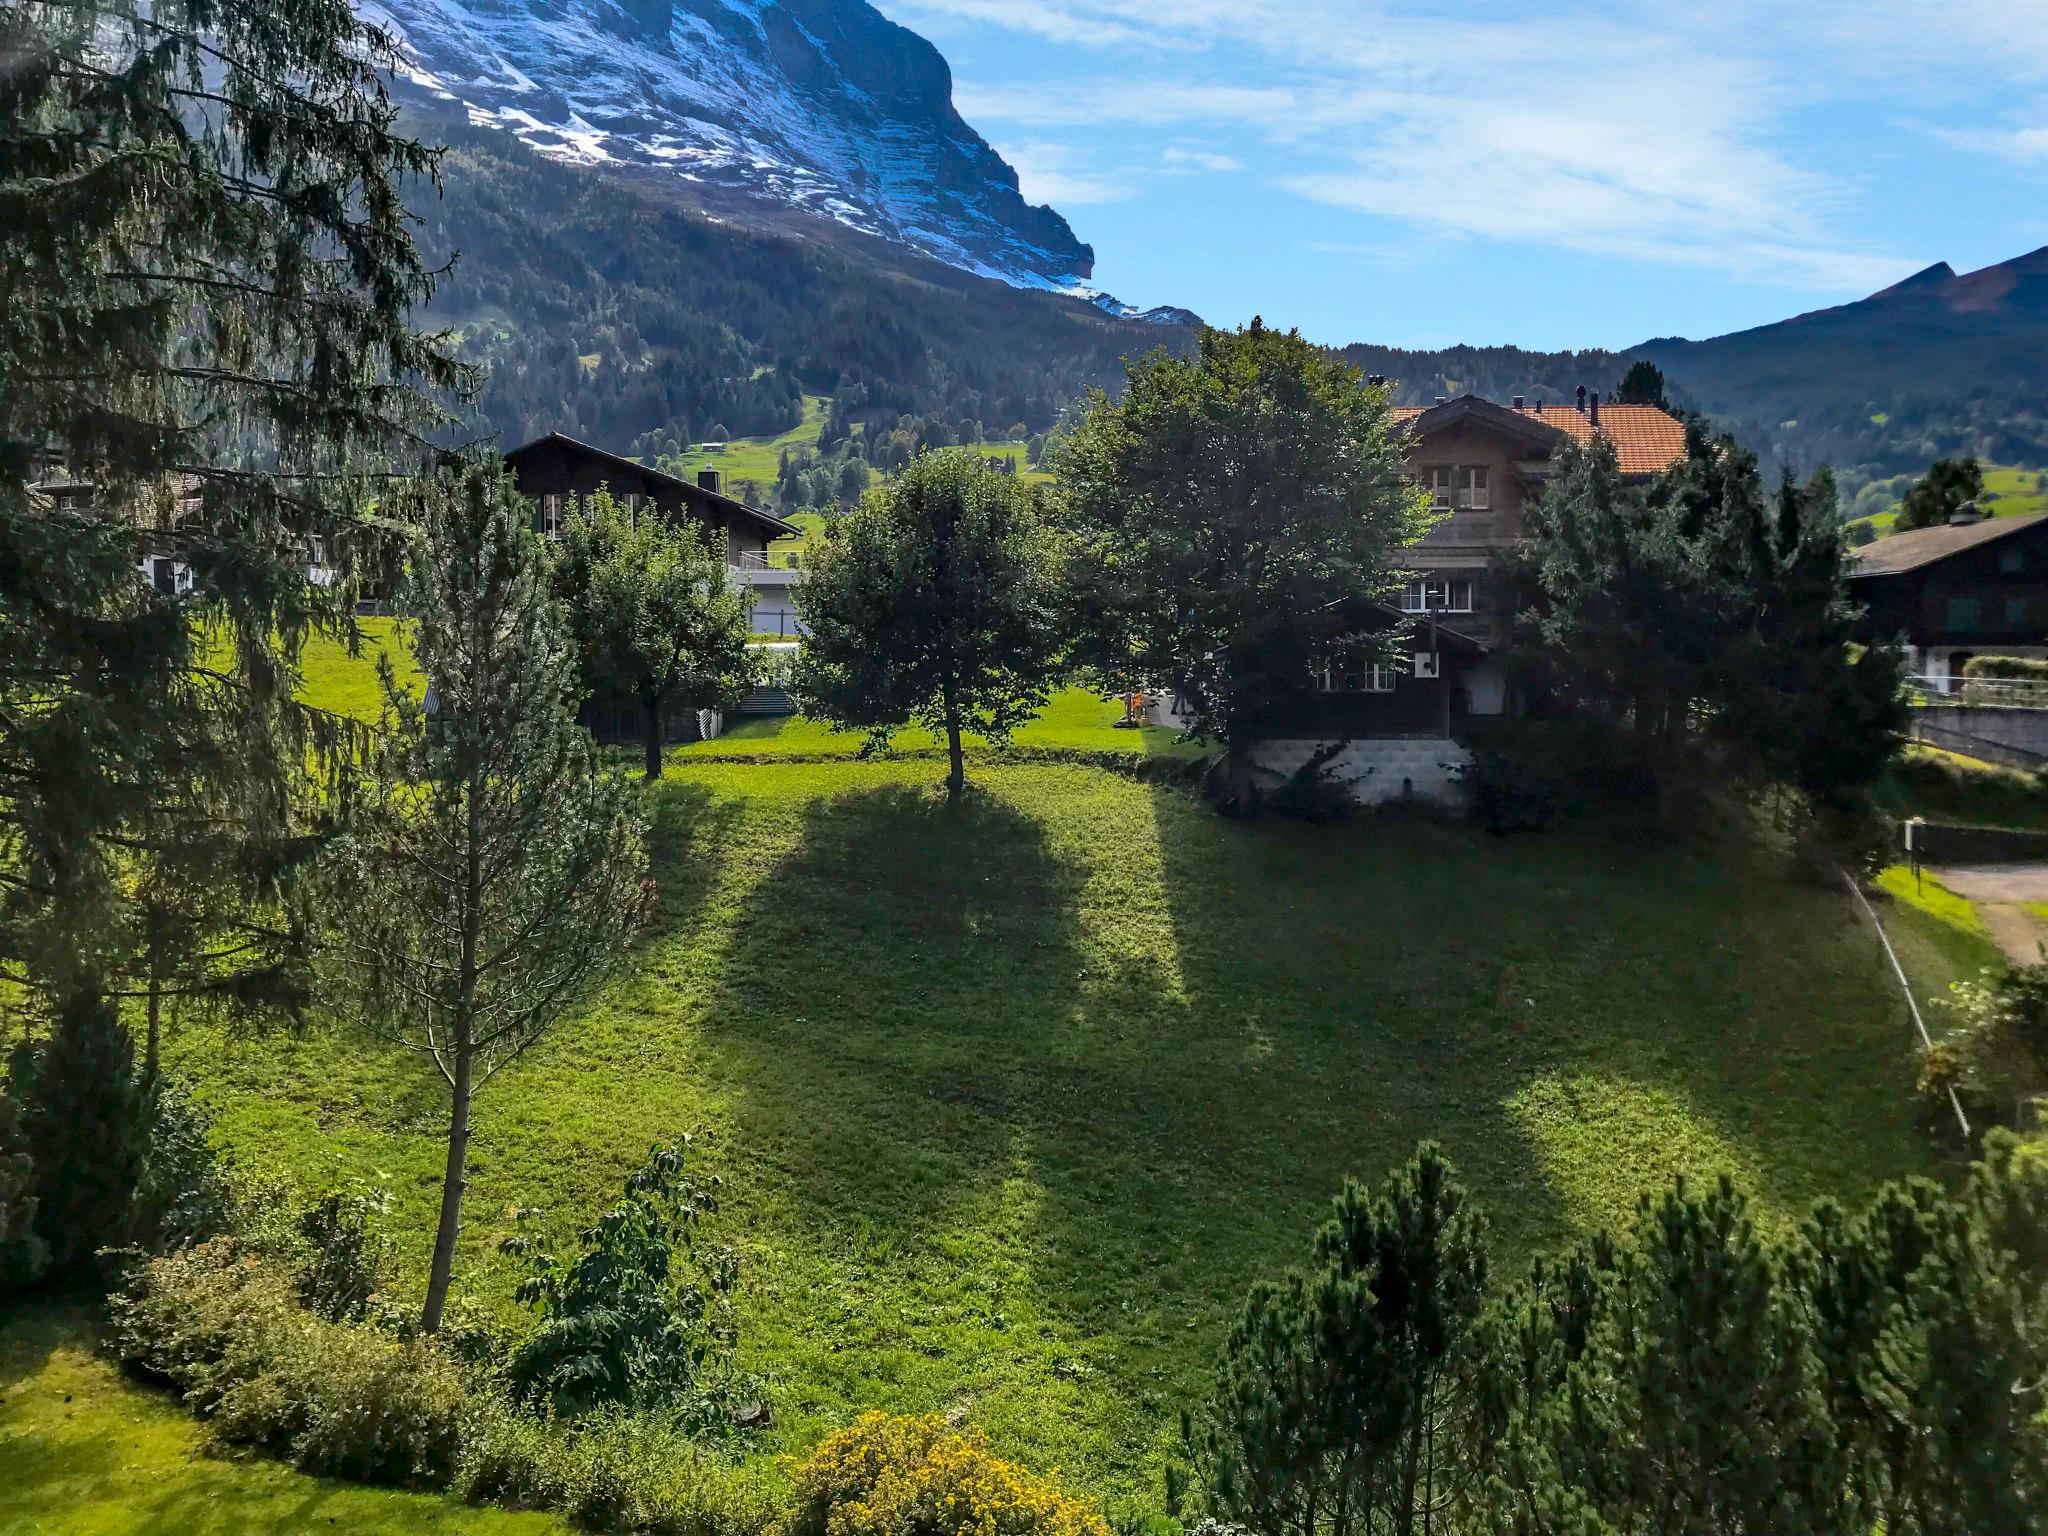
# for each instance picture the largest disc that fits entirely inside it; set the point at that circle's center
(1344, 677)
(2015, 613)
(1964, 613)
(1437, 596)
(2013, 562)
(551, 513)
(1440, 481)
(1474, 489)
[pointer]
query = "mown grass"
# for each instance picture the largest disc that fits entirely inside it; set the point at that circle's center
(1073, 719)
(759, 459)
(1011, 1105)
(84, 1452)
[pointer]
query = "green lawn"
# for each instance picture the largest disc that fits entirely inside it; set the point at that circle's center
(759, 459)
(1073, 720)
(1011, 1105)
(85, 1453)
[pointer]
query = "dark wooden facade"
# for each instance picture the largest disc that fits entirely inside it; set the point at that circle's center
(1369, 702)
(1956, 592)
(555, 468)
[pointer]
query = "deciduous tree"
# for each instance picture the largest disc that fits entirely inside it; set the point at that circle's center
(1237, 508)
(935, 603)
(655, 612)
(1940, 494)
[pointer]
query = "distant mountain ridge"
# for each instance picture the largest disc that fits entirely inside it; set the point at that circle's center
(1939, 364)
(822, 108)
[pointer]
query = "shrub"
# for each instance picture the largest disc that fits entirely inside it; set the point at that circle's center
(180, 1196)
(225, 1328)
(1509, 795)
(622, 1324)
(611, 1472)
(348, 1263)
(889, 1476)
(23, 1255)
(2016, 668)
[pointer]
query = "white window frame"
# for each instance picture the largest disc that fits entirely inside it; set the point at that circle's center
(1374, 677)
(1437, 594)
(552, 511)
(1473, 488)
(1439, 480)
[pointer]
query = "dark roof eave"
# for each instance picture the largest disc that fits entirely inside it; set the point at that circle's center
(769, 520)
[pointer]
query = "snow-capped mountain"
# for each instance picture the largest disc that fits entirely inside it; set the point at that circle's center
(824, 106)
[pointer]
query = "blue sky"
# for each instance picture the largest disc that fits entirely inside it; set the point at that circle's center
(1551, 175)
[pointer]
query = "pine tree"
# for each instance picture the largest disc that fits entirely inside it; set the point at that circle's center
(936, 602)
(1238, 508)
(205, 355)
(1643, 384)
(1341, 1403)
(655, 613)
(494, 871)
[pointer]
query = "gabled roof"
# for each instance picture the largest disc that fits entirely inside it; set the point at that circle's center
(694, 494)
(1924, 546)
(1647, 441)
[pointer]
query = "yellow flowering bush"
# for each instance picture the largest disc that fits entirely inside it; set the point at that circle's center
(889, 1476)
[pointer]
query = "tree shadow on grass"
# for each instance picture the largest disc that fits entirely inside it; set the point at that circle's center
(886, 1008)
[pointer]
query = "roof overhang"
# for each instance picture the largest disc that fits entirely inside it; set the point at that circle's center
(697, 495)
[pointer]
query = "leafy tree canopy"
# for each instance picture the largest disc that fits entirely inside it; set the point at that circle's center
(935, 603)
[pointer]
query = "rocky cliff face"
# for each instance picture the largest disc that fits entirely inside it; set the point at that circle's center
(824, 106)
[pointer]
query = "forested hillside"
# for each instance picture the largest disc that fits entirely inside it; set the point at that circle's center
(608, 311)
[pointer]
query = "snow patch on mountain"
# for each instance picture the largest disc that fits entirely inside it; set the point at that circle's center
(821, 105)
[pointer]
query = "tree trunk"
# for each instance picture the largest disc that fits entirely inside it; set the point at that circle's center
(956, 773)
(1237, 768)
(652, 731)
(453, 1181)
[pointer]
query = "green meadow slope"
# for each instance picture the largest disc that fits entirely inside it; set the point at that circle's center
(1011, 1106)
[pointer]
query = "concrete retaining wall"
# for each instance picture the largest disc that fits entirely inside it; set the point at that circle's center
(1939, 843)
(1374, 772)
(2017, 730)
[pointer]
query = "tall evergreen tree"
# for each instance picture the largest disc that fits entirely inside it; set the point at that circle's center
(655, 613)
(205, 353)
(494, 870)
(1711, 619)
(1238, 506)
(936, 602)
(1643, 384)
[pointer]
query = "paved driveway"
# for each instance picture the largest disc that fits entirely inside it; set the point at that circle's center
(2002, 893)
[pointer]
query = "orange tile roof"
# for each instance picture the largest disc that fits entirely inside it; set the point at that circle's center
(1646, 440)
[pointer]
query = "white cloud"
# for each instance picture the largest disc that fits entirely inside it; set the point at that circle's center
(1050, 173)
(1182, 161)
(1668, 139)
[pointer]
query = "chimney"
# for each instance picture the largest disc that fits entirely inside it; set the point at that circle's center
(1965, 516)
(1443, 399)
(1518, 402)
(1582, 399)
(1596, 407)
(710, 480)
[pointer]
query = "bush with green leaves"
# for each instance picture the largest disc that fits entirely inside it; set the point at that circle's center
(2012, 668)
(346, 1272)
(634, 1317)
(225, 1328)
(1994, 1057)
(1879, 1370)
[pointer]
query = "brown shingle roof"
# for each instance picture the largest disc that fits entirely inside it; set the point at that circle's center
(1924, 546)
(1646, 440)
